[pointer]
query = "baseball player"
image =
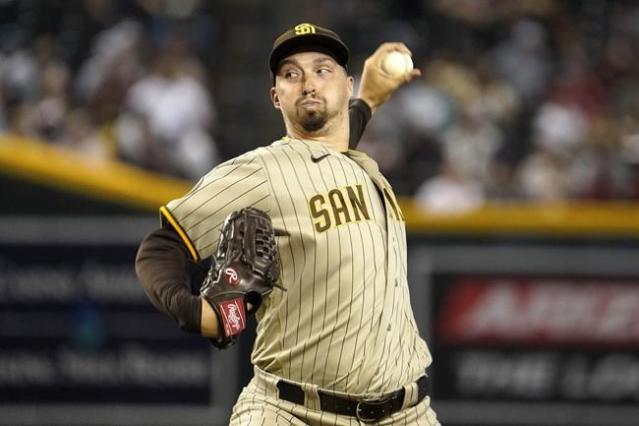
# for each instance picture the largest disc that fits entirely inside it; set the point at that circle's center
(336, 341)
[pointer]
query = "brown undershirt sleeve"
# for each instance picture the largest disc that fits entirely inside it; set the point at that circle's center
(167, 274)
(359, 114)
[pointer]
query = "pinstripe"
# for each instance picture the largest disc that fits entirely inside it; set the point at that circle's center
(393, 304)
(363, 293)
(192, 191)
(371, 321)
(361, 317)
(297, 216)
(299, 226)
(292, 261)
(227, 188)
(198, 187)
(231, 202)
(382, 331)
(401, 261)
(386, 350)
(406, 365)
(213, 195)
(280, 415)
(325, 305)
(399, 363)
(407, 312)
(350, 310)
(310, 329)
(371, 196)
(325, 284)
(339, 280)
(325, 308)
(382, 276)
(393, 318)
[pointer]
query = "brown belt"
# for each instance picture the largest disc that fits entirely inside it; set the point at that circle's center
(369, 411)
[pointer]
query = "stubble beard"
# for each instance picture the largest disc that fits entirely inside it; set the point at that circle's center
(312, 120)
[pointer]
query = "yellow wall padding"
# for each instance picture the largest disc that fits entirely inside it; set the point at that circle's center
(574, 218)
(66, 169)
(128, 185)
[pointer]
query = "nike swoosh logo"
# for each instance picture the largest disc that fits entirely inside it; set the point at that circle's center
(320, 158)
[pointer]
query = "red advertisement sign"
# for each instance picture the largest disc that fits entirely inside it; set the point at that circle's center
(539, 312)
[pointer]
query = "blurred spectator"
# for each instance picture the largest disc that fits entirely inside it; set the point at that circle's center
(598, 173)
(523, 59)
(168, 116)
(471, 144)
(113, 65)
(489, 11)
(3, 112)
(22, 120)
(53, 104)
(451, 192)
(82, 135)
(542, 176)
(560, 129)
(497, 101)
(19, 73)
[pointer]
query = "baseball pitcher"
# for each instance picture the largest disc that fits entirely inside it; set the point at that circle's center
(307, 235)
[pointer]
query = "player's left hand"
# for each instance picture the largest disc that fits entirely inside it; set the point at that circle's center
(376, 86)
(245, 269)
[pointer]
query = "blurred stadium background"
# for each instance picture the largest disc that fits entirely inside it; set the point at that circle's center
(517, 157)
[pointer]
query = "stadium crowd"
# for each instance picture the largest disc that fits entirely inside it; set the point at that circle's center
(538, 101)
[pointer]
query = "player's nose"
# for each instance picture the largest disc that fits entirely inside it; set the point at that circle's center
(308, 87)
(308, 92)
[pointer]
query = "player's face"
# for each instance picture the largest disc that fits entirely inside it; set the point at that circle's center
(311, 89)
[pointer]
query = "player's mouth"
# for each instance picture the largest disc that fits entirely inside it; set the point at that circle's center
(309, 102)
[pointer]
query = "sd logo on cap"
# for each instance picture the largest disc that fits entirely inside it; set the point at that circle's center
(307, 37)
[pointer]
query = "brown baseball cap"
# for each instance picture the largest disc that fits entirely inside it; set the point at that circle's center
(307, 37)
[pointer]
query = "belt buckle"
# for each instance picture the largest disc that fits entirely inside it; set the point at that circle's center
(377, 408)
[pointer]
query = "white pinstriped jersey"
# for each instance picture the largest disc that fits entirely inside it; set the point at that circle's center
(345, 322)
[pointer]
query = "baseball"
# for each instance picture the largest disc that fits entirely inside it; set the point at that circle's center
(397, 63)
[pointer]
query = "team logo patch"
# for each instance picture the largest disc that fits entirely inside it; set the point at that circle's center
(231, 276)
(304, 28)
(233, 316)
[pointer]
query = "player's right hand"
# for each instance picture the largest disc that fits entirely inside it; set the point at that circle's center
(376, 86)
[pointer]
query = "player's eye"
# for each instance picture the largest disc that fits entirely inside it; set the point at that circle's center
(324, 71)
(291, 74)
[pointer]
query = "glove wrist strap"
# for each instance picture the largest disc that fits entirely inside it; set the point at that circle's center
(231, 315)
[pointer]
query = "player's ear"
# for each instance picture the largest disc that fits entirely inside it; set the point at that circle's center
(274, 98)
(351, 82)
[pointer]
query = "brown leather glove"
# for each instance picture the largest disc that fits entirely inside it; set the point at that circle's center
(245, 269)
